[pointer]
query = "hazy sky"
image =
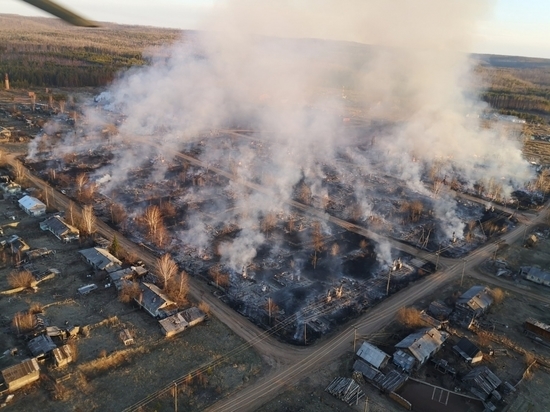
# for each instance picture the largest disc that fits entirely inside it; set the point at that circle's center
(513, 27)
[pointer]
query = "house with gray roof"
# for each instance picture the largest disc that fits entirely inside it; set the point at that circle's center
(474, 302)
(32, 206)
(372, 355)
(155, 302)
(101, 259)
(60, 229)
(423, 344)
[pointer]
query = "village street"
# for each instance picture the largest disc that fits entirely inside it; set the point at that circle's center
(289, 364)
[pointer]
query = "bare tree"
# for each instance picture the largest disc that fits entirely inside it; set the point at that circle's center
(335, 249)
(118, 214)
(168, 210)
(23, 279)
(62, 106)
(19, 171)
(71, 213)
(271, 308)
(177, 288)
(220, 279)
(80, 181)
(304, 194)
(269, 222)
(152, 217)
(88, 219)
(166, 269)
(129, 292)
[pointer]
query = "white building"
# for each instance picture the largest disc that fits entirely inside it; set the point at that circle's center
(32, 206)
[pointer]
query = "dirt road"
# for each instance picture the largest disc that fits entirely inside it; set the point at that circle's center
(289, 364)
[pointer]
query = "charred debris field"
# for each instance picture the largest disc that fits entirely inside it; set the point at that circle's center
(305, 271)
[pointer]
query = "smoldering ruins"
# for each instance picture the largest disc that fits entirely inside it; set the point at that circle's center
(284, 156)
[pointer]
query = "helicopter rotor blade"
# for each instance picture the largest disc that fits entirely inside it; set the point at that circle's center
(61, 12)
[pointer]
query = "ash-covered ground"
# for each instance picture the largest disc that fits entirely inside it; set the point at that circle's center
(264, 154)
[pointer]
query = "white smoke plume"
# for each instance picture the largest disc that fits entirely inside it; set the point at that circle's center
(248, 71)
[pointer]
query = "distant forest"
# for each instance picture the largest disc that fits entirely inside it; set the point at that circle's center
(45, 52)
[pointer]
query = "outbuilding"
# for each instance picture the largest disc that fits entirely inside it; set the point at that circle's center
(101, 259)
(21, 375)
(32, 206)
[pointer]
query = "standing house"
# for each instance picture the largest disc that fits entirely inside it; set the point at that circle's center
(61, 229)
(32, 206)
(474, 302)
(373, 356)
(468, 351)
(101, 259)
(537, 275)
(21, 375)
(156, 303)
(423, 344)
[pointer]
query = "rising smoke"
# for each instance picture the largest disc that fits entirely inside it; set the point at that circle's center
(248, 70)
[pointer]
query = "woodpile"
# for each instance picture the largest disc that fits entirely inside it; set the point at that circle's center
(345, 389)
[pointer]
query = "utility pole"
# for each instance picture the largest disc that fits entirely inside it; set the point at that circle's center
(463, 269)
(388, 285)
(305, 333)
(366, 404)
(354, 337)
(175, 397)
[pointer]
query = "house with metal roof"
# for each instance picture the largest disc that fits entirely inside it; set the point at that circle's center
(60, 229)
(468, 351)
(372, 355)
(41, 345)
(101, 259)
(537, 275)
(155, 302)
(423, 344)
(20, 375)
(474, 302)
(121, 277)
(32, 206)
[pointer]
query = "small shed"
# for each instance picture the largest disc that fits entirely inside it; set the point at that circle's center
(468, 351)
(126, 337)
(372, 355)
(173, 325)
(483, 383)
(120, 277)
(193, 315)
(32, 206)
(368, 372)
(537, 328)
(21, 375)
(62, 356)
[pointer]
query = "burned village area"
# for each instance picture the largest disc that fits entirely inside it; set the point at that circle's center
(274, 224)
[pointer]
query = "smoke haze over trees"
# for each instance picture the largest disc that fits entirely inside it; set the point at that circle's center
(245, 74)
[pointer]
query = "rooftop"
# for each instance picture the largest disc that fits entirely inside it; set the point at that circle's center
(423, 343)
(476, 298)
(100, 258)
(372, 355)
(30, 203)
